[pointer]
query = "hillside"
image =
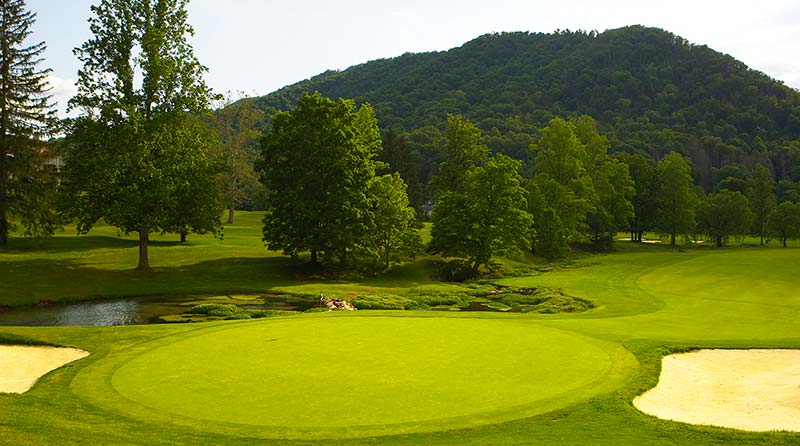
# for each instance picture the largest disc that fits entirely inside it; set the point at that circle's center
(651, 91)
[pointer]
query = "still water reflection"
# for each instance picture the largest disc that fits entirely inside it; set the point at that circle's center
(120, 312)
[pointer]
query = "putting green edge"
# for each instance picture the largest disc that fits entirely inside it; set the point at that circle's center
(93, 384)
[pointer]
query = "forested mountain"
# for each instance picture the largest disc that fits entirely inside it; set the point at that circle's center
(650, 91)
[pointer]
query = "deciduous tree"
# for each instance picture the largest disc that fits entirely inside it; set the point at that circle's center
(465, 149)
(762, 199)
(238, 126)
(784, 223)
(488, 217)
(725, 214)
(392, 230)
(676, 198)
(317, 163)
(134, 153)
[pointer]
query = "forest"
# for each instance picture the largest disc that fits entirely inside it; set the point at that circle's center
(651, 92)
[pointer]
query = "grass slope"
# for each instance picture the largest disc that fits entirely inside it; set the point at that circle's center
(650, 301)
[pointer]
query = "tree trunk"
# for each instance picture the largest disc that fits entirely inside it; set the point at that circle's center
(719, 242)
(314, 260)
(144, 262)
(672, 239)
(231, 216)
(183, 236)
(762, 238)
(784, 242)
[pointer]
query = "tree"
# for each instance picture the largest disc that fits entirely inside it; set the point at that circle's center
(27, 182)
(316, 163)
(237, 123)
(725, 214)
(398, 157)
(762, 199)
(393, 219)
(562, 191)
(784, 223)
(134, 154)
(611, 181)
(645, 198)
(488, 217)
(465, 150)
(676, 197)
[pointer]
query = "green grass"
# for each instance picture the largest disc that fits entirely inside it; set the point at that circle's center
(389, 378)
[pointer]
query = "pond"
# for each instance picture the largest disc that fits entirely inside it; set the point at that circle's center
(138, 310)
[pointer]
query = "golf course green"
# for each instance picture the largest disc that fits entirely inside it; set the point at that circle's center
(388, 377)
(337, 376)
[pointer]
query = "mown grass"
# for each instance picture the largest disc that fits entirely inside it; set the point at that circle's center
(650, 300)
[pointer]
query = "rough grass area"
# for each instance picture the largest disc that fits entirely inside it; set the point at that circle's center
(542, 300)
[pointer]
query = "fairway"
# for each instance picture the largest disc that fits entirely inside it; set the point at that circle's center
(344, 376)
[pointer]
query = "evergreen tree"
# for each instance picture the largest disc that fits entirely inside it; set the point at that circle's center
(27, 182)
(134, 155)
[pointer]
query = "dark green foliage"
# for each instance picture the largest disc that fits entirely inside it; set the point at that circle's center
(644, 174)
(233, 312)
(465, 150)
(488, 217)
(392, 234)
(137, 157)
(398, 157)
(317, 163)
(762, 200)
(650, 90)
(723, 215)
(238, 126)
(784, 223)
(676, 196)
(27, 166)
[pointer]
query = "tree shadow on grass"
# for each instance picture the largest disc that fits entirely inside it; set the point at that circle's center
(66, 244)
(30, 281)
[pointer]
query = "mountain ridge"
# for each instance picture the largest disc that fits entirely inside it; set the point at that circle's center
(651, 91)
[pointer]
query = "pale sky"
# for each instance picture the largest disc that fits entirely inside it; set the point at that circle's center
(259, 46)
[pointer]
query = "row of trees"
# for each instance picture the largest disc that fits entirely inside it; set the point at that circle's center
(146, 155)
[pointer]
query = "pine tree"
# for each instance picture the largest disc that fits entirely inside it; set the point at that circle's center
(27, 184)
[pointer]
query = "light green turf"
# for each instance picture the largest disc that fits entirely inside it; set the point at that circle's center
(651, 300)
(314, 377)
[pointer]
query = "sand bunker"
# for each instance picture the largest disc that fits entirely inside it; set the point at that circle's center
(21, 366)
(754, 390)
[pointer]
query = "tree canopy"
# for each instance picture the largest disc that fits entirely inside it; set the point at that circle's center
(316, 163)
(136, 155)
(27, 175)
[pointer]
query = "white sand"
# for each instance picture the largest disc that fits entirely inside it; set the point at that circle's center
(754, 390)
(21, 366)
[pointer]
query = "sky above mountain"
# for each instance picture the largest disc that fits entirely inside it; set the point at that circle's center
(257, 46)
